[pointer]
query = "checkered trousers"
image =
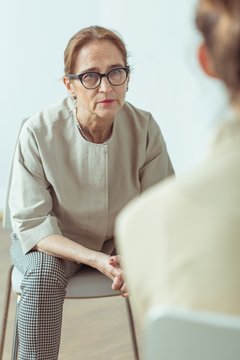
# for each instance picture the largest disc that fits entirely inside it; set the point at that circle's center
(41, 304)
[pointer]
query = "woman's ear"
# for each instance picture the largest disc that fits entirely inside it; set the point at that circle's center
(127, 85)
(206, 62)
(66, 82)
(69, 86)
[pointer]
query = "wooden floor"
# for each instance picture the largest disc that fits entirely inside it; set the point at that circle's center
(92, 329)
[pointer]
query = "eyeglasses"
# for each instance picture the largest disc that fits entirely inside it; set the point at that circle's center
(91, 80)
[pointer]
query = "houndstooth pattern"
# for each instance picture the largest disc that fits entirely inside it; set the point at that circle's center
(41, 303)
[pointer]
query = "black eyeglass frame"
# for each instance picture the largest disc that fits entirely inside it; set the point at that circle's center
(80, 76)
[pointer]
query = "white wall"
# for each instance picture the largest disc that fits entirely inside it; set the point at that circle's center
(162, 43)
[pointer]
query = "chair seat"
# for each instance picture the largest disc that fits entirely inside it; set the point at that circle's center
(86, 283)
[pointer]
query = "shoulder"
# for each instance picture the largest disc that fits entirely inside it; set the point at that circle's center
(52, 117)
(191, 196)
(224, 139)
(51, 114)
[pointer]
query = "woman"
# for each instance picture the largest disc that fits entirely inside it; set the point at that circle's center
(76, 165)
(192, 224)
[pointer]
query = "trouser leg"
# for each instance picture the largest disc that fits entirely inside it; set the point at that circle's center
(41, 304)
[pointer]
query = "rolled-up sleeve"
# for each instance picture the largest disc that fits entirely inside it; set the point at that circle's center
(30, 200)
(157, 164)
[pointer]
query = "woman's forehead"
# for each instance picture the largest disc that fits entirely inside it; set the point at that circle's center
(97, 54)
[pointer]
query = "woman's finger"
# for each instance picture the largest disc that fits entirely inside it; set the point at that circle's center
(124, 290)
(117, 283)
(114, 260)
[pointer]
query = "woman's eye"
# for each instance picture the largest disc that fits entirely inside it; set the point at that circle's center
(90, 77)
(116, 71)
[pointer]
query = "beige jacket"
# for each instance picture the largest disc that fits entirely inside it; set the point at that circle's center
(63, 184)
(180, 240)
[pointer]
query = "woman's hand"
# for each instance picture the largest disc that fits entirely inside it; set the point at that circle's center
(60, 246)
(115, 260)
(117, 283)
(110, 266)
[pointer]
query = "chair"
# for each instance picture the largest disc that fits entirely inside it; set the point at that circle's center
(172, 333)
(88, 283)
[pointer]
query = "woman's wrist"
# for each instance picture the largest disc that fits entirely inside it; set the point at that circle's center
(94, 258)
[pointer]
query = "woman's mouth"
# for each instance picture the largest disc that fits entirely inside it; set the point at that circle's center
(106, 101)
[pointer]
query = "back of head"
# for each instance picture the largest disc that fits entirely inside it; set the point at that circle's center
(219, 23)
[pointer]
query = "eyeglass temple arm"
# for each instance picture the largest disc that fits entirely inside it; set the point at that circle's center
(72, 76)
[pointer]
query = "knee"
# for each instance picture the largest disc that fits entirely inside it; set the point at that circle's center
(45, 271)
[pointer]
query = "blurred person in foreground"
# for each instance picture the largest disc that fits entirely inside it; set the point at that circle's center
(77, 163)
(180, 241)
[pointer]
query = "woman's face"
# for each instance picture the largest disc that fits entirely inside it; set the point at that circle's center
(106, 100)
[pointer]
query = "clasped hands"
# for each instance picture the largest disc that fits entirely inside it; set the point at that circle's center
(110, 266)
(118, 281)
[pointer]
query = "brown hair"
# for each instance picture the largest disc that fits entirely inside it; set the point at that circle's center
(219, 23)
(85, 36)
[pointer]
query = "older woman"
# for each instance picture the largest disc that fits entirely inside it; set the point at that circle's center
(77, 164)
(193, 223)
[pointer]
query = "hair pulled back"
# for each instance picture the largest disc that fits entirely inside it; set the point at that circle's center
(86, 36)
(219, 23)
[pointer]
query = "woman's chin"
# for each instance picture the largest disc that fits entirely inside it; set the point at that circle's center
(108, 113)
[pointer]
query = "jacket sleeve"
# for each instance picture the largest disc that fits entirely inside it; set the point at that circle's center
(30, 199)
(157, 165)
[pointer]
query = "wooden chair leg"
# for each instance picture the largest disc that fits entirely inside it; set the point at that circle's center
(5, 312)
(132, 329)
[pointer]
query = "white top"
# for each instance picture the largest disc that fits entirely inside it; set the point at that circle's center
(63, 184)
(187, 232)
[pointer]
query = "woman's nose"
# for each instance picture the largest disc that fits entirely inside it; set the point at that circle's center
(105, 84)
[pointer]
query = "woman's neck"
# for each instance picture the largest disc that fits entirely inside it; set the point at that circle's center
(96, 134)
(93, 129)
